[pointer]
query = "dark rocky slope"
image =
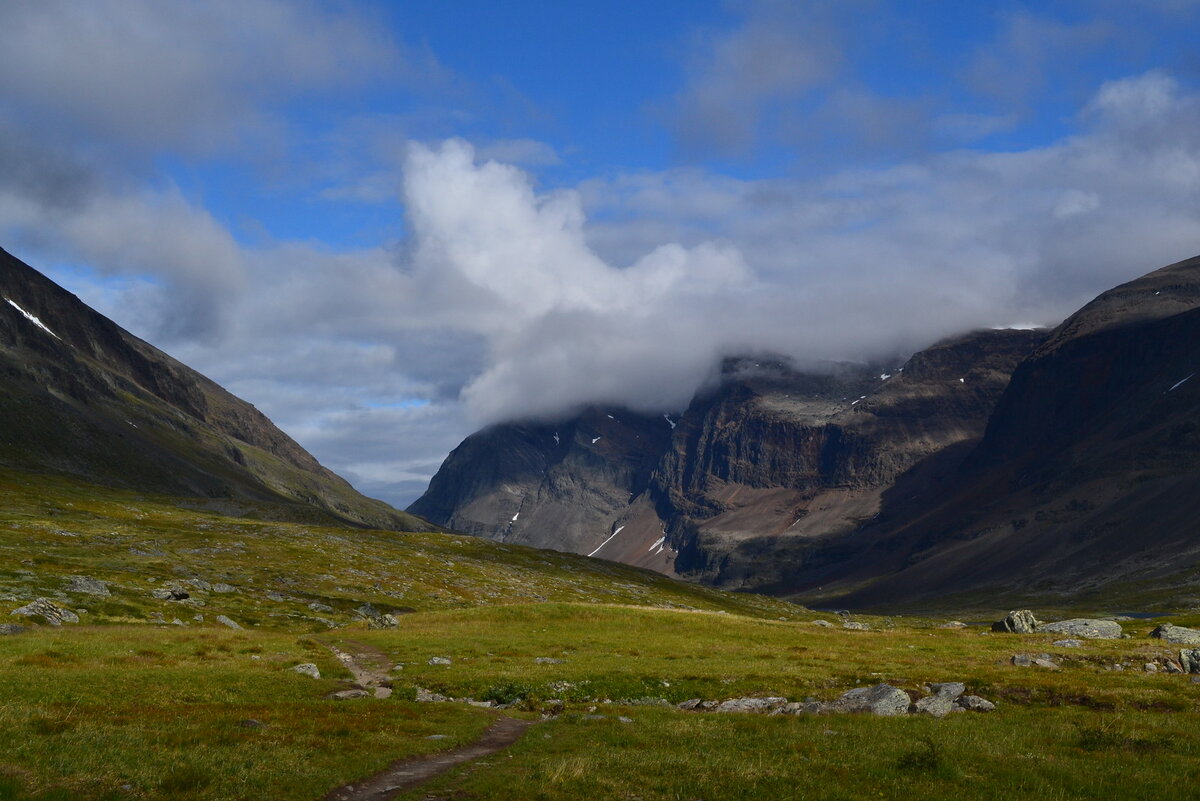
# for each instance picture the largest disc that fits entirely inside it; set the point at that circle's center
(769, 454)
(1085, 483)
(84, 397)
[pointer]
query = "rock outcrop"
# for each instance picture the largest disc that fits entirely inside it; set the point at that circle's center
(46, 610)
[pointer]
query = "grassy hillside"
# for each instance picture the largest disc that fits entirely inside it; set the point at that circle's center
(128, 705)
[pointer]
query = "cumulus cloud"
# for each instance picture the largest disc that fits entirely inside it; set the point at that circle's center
(861, 264)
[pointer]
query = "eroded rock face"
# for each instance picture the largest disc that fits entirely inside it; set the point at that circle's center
(772, 456)
(1086, 628)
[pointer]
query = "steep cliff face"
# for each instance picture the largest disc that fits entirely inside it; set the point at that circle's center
(769, 454)
(82, 396)
(1086, 479)
(771, 466)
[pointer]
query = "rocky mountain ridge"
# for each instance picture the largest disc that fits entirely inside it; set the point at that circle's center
(768, 450)
(1000, 464)
(81, 396)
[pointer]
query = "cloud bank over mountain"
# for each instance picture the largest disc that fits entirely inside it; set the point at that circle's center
(385, 243)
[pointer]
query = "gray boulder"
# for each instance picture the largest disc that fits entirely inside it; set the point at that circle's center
(759, 705)
(346, 695)
(953, 624)
(1018, 621)
(1189, 660)
(1068, 643)
(439, 660)
(1087, 628)
(825, 624)
(882, 699)
(88, 586)
(1177, 634)
(49, 611)
(224, 621)
(11, 628)
(308, 669)
(937, 706)
(941, 703)
(690, 705)
(223, 588)
(1040, 660)
(973, 703)
(548, 660)
(172, 592)
(951, 689)
(383, 621)
(854, 625)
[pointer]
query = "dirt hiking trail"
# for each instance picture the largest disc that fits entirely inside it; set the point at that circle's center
(407, 774)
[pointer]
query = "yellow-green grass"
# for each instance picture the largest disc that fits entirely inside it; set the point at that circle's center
(52, 528)
(1017, 753)
(120, 700)
(175, 714)
(628, 653)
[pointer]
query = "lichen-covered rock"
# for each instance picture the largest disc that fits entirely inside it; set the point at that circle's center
(854, 625)
(383, 620)
(1087, 628)
(825, 624)
(759, 705)
(308, 669)
(439, 660)
(1069, 643)
(937, 706)
(1189, 660)
(224, 621)
(88, 586)
(48, 611)
(1179, 635)
(950, 689)
(1018, 621)
(973, 703)
(941, 702)
(882, 699)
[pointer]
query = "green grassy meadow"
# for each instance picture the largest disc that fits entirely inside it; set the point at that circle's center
(128, 704)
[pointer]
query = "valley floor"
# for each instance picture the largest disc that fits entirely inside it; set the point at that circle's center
(209, 713)
(128, 704)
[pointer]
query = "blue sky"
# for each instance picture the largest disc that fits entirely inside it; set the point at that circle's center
(387, 224)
